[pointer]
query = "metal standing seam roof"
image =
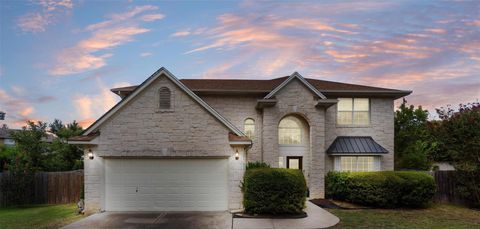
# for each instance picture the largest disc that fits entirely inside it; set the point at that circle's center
(355, 145)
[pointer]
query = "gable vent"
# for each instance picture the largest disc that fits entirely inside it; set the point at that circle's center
(165, 98)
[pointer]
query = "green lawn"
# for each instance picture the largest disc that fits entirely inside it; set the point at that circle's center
(437, 216)
(38, 216)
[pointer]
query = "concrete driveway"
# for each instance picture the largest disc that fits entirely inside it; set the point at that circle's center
(220, 220)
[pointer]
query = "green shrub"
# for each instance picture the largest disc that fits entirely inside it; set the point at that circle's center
(257, 164)
(381, 189)
(274, 191)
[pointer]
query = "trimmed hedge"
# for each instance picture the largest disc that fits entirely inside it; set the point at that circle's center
(257, 165)
(274, 191)
(387, 189)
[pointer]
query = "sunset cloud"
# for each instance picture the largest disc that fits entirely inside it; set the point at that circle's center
(280, 37)
(19, 110)
(145, 54)
(182, 33)
(106, 35)
(47, 14)
(91, 107)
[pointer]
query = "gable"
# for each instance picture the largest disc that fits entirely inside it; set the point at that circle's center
(159, 73)
(297, 76)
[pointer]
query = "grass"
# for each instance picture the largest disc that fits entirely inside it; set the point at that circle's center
(38, 216)
(437, 216)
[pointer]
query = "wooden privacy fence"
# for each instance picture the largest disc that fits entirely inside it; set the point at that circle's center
(446, 187)
(50, 188)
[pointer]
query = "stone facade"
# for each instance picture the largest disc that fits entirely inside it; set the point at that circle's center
(140, 129)
(380, 129)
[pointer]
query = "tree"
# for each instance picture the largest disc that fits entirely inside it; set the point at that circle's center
(458, 137)
(56, 126)
(64, 156)
(412, 139)
(55, 156)
(29, 142)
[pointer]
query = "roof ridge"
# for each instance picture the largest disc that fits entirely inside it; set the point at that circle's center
(237, 79)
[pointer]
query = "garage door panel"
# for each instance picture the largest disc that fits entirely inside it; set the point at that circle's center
(166, 184)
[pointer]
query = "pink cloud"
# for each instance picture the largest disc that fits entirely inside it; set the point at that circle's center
(90, 107)
(38, 21)
(180, 33)
(18, 109)
(145, 54)
(115, 31)
(152, 17)
(131, 14)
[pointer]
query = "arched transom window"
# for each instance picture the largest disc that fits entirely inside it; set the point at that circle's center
(165, 99)
(249, 128)
(290, 131)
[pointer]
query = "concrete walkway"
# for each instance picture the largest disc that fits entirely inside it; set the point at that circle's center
(164, 220)
(317, 218)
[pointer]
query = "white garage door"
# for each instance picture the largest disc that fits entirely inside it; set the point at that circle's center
(166, 184)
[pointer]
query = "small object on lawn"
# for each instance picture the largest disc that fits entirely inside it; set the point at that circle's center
(81, 206)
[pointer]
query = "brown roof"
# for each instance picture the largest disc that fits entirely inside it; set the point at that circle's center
(235, 138)
(83, 138)
(264, 85)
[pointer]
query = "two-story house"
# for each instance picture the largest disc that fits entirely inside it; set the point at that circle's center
(182, 145)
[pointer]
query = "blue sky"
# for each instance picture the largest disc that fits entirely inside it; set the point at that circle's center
(59, 58)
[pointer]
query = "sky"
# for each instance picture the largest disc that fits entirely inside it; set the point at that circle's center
(59, 58)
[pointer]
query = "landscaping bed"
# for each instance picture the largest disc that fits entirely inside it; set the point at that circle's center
(336, 204)
(270, 216)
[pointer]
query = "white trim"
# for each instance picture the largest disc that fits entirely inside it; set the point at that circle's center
(93, 142)
(299, 77)
(175, 80)
(240, 142)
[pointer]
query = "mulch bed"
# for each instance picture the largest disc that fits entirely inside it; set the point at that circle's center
(267, 216)
(334, 204)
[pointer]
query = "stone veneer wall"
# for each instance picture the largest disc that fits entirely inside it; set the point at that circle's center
(381, 129)
(295, 98)
(140, 129)
(236, 109)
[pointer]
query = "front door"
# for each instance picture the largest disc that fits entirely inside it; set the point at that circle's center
(294, 162)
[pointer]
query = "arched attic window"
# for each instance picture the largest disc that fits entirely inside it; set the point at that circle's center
(165, 96)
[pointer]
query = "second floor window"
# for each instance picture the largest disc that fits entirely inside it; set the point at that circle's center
(353, 111)
(165, 99)
(249, 128)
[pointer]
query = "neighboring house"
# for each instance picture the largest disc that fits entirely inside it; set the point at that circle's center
(443, 166)
(182, 145)
(6, 138)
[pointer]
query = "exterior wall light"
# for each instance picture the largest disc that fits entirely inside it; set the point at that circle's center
(237, 155)
(90, 154)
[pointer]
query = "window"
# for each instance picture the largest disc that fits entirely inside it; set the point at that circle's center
(353, 111)
(357, 163)
(290, 131)
(249, 128)
(165, 99)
